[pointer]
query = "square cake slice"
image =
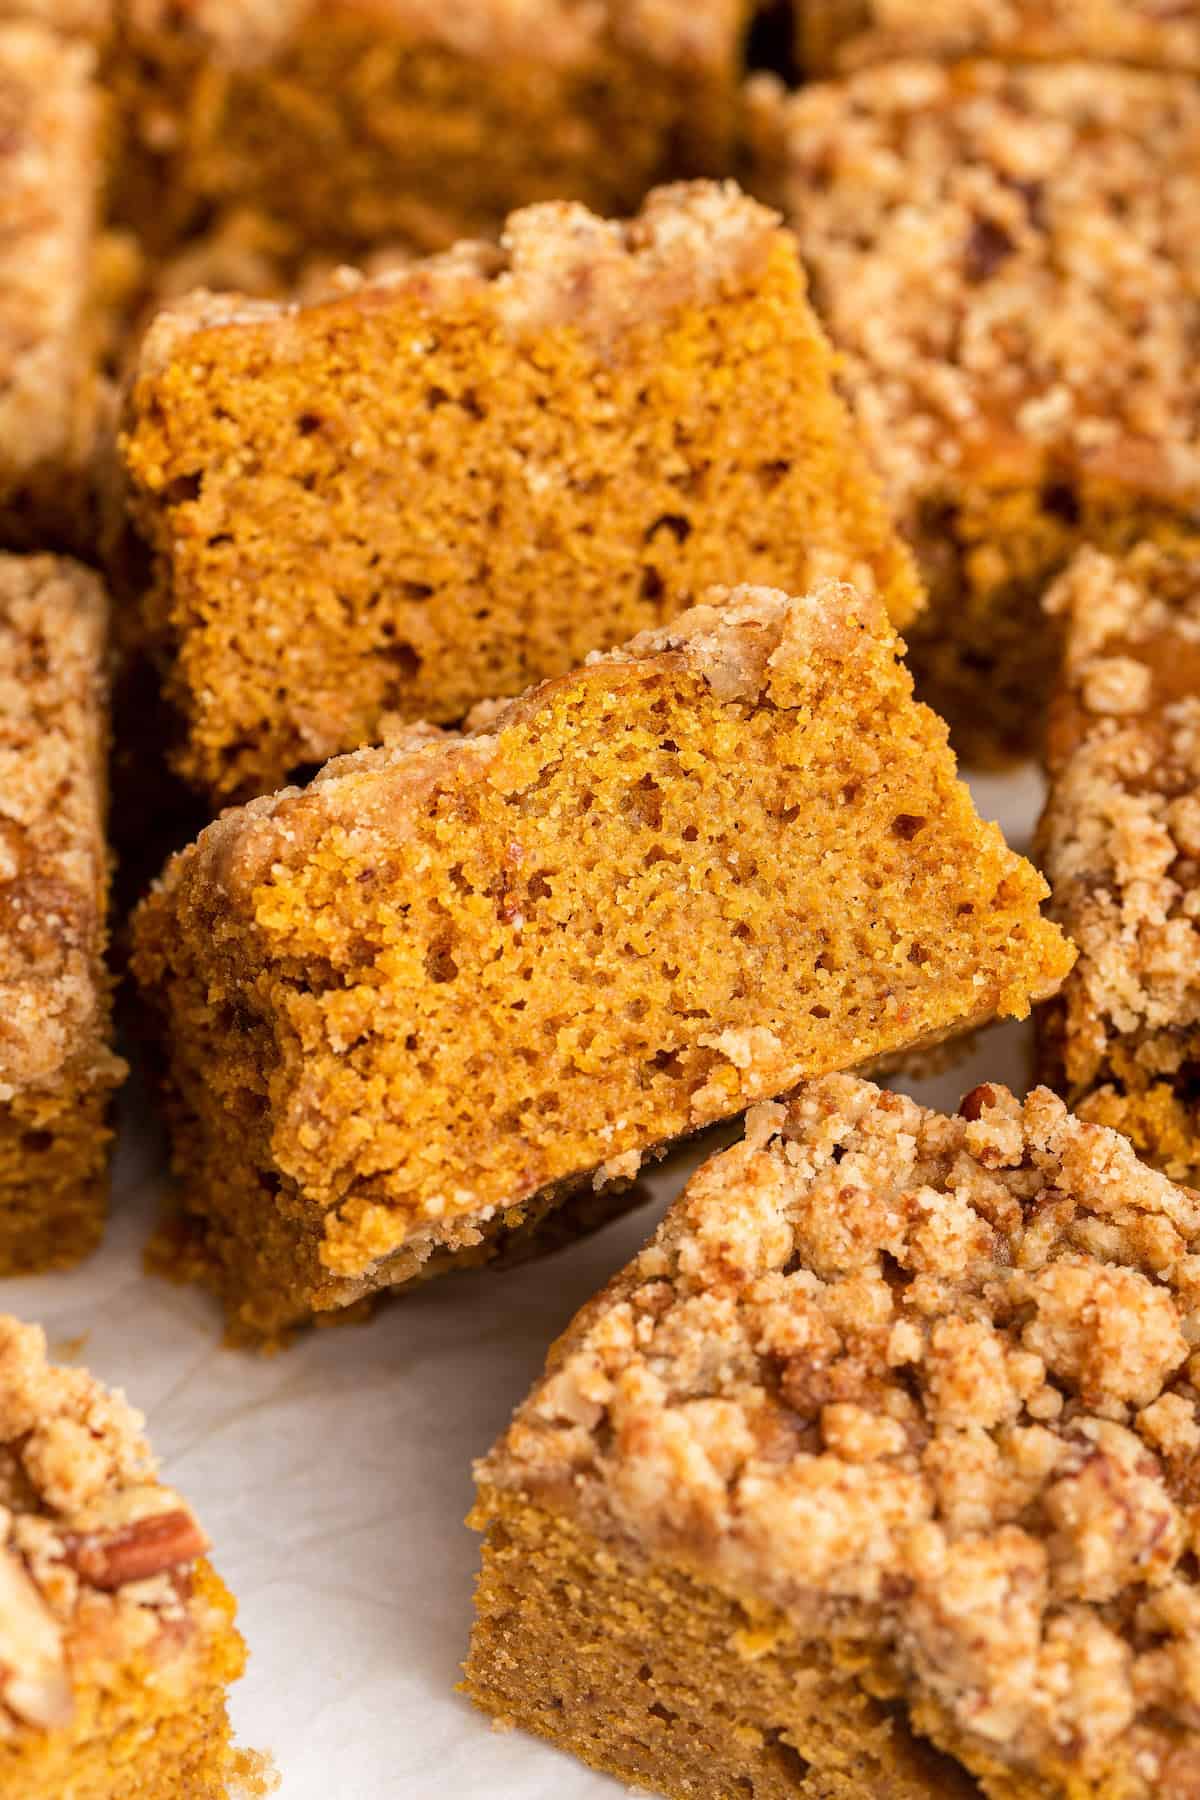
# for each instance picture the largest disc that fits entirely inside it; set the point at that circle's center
(57, 1068)
(463, 476)
(50, 175)
(874, 1474)
(424, 120)
(1120, 843)
(1005, 257)
(408, 1008)
(117, 1635)
(1153, 34)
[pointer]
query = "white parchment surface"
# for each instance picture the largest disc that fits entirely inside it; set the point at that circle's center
(333, 1479)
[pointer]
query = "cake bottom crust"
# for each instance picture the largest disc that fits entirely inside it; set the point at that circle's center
(652, 1676)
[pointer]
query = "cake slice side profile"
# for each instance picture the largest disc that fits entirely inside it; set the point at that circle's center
(405, 1008)
(460, 477)
(892, 1425)
(57, 1065)
(1119, 841)
(119, 1641)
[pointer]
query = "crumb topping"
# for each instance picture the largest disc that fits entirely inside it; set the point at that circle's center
(95, 1553)
(1153, 33)
(1120, 838)
(53, 859)
(1005, 257)
(49, 122)
(556, 264)
(923, 1380)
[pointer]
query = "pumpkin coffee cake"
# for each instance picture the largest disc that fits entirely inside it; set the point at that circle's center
(408, 1008)
(1120, 843)
(1006, 259)
(1152, 34)
(874, 1474)
(462, 476)
(57, 1069)
(415, 119)
(118, 1635)
(50, 118)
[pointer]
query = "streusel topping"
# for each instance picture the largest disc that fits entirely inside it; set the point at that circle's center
(53, 746)
(1163, 34)
(926, 1381)
(1120, 839)
(1006, 257)
(95, 1552)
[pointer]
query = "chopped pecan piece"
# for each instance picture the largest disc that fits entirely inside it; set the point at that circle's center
(134, 1552)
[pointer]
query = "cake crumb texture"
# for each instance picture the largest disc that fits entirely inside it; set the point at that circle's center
(118, 1637)
(576, 435)
(57, 1068)
(458, 971)
(917, 1392)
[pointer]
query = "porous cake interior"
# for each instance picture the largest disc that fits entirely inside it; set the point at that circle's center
(54, 1150)
(661, 1680)
(455, 971)
(456, 481)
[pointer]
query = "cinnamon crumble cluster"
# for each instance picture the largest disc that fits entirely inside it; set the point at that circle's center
(923, 1382)
(1120, 841)
(95, 1553)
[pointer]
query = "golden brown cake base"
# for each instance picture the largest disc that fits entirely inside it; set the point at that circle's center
(352, 128)
(456, 972)
(658, 1678)
(462, 477)
(54, 1181)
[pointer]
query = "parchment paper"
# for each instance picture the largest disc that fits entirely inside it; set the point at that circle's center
(333, 1479)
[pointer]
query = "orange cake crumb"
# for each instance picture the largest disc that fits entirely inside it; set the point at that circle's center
(1152, 34)
(1120, 843)
(406, 1009)
(50, 118)
(118, 1636)
(465, 475)
(57, 1069)
(1005, 257)
(416, 119)
(873, 1474)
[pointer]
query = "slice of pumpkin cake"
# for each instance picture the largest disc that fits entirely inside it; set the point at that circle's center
(874, 1474)
(407, 1009)
(461, 476)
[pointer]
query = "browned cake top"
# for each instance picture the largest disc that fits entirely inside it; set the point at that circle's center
(556, 263)
(1007, 257)
(48, 177)
(53, 683)
(1120, 839)
(97, 1553)
(559, 33)
(1156, 33)
(923, 1380)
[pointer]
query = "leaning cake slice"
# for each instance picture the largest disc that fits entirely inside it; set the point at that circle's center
(874, 1474)
(416, 1004)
